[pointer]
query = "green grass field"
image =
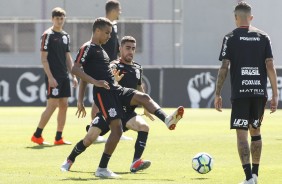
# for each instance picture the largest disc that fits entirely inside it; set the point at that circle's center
(207, 130)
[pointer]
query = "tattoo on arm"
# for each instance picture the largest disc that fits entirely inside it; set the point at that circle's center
(222, 73)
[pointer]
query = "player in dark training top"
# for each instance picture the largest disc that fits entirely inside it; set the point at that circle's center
(248, 52)
(128, 74)
(110, 97)
(57, 62)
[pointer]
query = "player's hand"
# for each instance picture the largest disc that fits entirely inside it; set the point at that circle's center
(74, 82)
(116, 75)
(52, 82)
(149, 115)
(218, 103)
(102, 84)
(273, 104)
(80, 110)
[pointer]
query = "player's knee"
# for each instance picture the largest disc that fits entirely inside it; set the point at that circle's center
(88, 140)
(144, 128)
(256, 138)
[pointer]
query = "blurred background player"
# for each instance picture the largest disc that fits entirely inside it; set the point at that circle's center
(131, 77)
(57, 62)
(248, 51)
(111, 97)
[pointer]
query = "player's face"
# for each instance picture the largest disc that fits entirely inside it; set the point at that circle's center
(127, 51)
(58, 21)
(105, 34)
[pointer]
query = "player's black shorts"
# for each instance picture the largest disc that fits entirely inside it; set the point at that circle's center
(247, 111)
(61, 91)
(100, 122)
(111, 102)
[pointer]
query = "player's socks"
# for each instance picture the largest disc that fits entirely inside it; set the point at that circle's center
(248, 171)
(160, 114)
(77, 150)
(255, 169)
(58, 135)
(104, 160)
(140, 145)
(38, 132)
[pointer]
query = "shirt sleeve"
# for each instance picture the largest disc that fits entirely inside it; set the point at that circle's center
(82, 54)
(224, 53)
(45, 42)
(141, 74)
(268, 48)
(68, 45)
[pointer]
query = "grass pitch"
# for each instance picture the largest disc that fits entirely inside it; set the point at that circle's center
(201, 130)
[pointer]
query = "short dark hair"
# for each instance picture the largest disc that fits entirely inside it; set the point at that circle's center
(127, 39)
(58, 12)
(244, 7)
(101, 23)
(111, 5)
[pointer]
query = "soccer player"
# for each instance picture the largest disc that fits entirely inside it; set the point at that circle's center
(131, 76)
(248, 52)
(57, 63)
(109, 96)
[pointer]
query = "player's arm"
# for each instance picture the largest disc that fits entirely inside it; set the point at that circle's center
(69, 66)
(146, 113)
(80, 105)
(271, 72)
(76, 70)
(51, 80)
(222, 73)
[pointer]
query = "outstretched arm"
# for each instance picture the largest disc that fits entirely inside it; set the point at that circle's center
(222, 73)
(271, 72)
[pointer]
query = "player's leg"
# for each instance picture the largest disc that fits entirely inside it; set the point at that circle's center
(94, 111)
(109, 104)
(98, 126)
(110, 145)
(257, 112)
(51, 106)
(138, 124)
(240, 122)
(61, 121)
(147, 102)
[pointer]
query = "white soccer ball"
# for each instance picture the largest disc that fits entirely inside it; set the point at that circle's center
(202, 163)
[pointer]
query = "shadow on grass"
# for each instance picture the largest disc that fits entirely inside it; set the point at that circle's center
(36, 147)
(199, 178)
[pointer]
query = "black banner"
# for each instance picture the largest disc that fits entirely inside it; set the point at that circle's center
(170, 87)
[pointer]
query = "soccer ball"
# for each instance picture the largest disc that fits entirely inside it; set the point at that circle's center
(202, 163)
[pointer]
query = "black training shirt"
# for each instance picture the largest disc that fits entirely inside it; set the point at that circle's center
(57, 45)
(247, 48)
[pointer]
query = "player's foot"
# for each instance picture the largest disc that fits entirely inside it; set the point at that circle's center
(105, 173)
(255, 177)
(100, 139)
(140, 165)
(125, 138)
(66, 165)
(250, 181)
(39, 140)
(173, 119)
(61, 142)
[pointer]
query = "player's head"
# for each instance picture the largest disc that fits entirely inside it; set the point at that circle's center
(113, 9)
(127, 48)
(58, 17)
(243, 14)
(102, 28)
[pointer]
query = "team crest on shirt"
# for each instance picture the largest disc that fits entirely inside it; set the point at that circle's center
(138, 75)
(65, 39)
(112, 112)
(55, 91)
